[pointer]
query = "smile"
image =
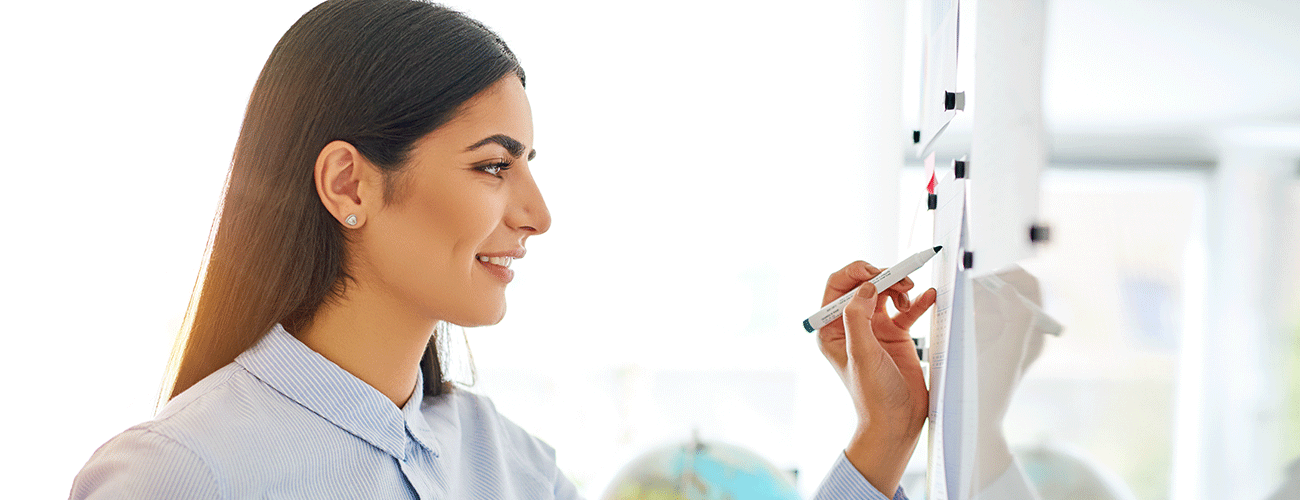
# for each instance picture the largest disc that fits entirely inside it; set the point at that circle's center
(500, 261)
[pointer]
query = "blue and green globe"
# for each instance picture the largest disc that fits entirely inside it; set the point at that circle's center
(698, 470)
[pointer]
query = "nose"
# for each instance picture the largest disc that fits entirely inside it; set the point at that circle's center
(528, 210)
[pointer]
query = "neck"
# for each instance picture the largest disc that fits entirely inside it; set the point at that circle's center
(372, 339)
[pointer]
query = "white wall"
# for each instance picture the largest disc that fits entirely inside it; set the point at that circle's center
(698, 157)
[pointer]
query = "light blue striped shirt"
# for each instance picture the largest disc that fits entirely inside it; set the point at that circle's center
(284, 422)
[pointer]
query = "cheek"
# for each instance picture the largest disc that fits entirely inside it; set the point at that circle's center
(463, 220)
(424, 250)
(434, 238)
(463, 226)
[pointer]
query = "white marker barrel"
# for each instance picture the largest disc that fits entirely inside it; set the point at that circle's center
(885, 279)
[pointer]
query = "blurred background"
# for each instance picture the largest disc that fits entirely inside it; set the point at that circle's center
(707, 164)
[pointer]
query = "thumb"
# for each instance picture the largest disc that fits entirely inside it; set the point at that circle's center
(860, 337)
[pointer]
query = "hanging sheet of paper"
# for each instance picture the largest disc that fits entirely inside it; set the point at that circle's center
(1008, 144)
(939, 70)
(960, 411)
(951, 432)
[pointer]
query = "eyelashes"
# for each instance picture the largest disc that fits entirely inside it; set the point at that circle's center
(494, 169)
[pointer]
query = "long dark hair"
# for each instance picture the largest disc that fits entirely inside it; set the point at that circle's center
(379, 74)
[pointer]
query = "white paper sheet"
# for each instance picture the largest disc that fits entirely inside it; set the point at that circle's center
(948, 466)
(960, 411)
(1007, 138)
(939, 70)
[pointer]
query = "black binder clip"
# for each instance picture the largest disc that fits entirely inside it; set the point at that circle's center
(916, 137)
(968, 260)
(954, 100)
(959, 168)
(931, 201)
(1040, 233)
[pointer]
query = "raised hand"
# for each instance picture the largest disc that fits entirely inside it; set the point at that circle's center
(874, 356)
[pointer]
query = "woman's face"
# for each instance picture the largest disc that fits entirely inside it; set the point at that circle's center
(465, 205)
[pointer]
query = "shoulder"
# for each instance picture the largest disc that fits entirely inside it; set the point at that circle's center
(160, 458)
(483, 433)
(480, 416)
(230, 402)
(213, 387)
(494, 444)
(141, 463)
(226, 426)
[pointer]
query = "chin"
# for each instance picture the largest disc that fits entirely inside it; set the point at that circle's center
(482, 318)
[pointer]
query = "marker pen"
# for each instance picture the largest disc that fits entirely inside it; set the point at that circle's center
(884, 280)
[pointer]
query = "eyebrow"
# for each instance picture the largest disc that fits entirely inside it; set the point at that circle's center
(514, 147)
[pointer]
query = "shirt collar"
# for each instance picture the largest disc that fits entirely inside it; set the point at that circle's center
(309, 379)
(413, 414)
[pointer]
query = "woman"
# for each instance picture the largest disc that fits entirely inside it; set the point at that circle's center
(380, 187)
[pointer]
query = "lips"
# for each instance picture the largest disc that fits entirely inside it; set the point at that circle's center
(498, 263)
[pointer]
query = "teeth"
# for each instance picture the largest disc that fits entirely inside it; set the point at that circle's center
(500, 261)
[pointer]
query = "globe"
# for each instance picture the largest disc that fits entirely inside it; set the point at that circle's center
(1059, 473)
(698, 470)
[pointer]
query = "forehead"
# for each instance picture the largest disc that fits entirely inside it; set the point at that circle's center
(500, 109)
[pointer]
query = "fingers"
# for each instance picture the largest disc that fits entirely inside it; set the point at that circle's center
(903, 286)
(858, 272)
(901, 301)
(848, 278)
(899, 292)
(907, 317)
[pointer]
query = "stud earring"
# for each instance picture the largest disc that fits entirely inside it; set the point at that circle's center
(351, 220)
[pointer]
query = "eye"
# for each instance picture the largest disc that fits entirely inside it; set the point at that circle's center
(494, 169)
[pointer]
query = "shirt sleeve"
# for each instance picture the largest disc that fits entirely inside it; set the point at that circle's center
(844, 482)
(141, 464)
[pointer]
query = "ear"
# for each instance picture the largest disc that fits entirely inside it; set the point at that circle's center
(346, 183)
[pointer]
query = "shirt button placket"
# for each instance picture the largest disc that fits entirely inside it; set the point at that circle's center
(416, 475)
